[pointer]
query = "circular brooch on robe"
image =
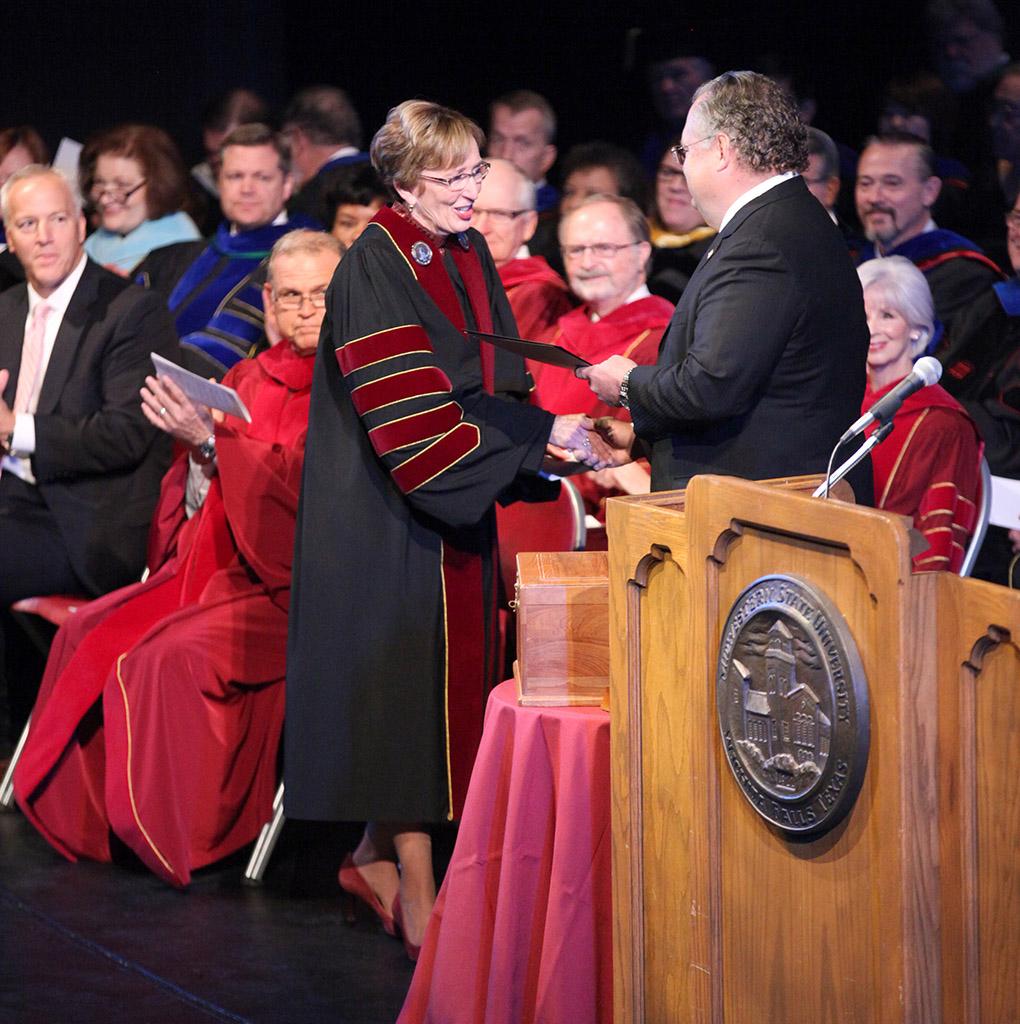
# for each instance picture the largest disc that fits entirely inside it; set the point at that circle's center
(421, 253)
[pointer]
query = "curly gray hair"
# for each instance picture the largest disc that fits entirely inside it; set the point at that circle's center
(759, 118)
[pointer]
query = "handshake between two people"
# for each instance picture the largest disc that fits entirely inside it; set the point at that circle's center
(603, 443)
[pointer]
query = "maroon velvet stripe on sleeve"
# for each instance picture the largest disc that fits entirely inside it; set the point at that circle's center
(426, 380)
(409, 430)
(374, 348)
(437, 458)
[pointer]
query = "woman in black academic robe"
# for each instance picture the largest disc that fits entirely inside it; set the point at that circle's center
(413, 436)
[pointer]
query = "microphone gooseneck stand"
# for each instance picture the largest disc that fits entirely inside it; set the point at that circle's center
(831, 477)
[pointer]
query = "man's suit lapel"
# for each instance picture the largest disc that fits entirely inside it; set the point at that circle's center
(780, 191)
(68, 340)
(679, 341)
(12, 338)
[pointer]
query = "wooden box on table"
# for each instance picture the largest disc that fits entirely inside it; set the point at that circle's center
(562, 628)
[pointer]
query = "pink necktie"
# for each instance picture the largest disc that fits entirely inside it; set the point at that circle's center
(31, 358)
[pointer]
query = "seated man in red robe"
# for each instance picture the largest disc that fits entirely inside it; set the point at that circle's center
(160, 712)
(505, 215)
(606, 252)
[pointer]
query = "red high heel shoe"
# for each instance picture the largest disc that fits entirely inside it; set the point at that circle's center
(352, 881)
(410, 948)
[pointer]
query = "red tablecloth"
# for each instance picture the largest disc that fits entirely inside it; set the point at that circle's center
(522, 929)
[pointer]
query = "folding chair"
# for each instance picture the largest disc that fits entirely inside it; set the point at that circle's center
(53, 610)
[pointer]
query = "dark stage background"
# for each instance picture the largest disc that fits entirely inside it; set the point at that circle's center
(73, 69)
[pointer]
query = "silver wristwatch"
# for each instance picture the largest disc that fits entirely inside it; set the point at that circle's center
(207, 449)
(625, 389)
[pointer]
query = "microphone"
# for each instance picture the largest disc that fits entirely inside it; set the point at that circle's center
(926, 371)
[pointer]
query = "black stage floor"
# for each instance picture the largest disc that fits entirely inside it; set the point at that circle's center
(88, 943)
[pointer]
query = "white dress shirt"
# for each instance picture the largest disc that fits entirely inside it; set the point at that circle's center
(641, 292)
(752, 193)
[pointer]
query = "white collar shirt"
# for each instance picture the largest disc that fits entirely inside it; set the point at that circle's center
(752, 193)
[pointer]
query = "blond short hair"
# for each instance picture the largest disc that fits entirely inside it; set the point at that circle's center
(419, 134)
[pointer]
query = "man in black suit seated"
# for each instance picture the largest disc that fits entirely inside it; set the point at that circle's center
(763, 364)
(81, 466)
(323, 131)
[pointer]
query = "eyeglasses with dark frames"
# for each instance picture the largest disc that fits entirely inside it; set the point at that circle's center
(115, 191)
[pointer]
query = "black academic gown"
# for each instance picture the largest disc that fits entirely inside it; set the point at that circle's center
(392, 629)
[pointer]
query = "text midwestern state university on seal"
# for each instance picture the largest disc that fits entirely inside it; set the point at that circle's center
(793, 705)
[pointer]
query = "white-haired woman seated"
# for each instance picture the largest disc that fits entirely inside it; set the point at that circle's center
(929, 467)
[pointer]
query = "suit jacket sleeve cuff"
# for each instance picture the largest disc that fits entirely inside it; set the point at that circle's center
(637, 385)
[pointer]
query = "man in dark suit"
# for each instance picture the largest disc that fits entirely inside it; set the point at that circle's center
(323, 131)
(81, 466)
(763, 365)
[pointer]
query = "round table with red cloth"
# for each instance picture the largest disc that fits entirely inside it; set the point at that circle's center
(522, 928)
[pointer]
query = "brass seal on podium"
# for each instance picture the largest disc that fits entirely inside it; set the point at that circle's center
(792, 701)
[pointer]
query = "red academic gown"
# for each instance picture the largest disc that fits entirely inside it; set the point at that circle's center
(538, 295)
(179, 759)
(929, 468)
(634, 330)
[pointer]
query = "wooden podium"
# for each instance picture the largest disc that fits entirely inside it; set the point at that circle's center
(908, 909)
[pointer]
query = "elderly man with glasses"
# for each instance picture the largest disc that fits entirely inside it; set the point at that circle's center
(506, 217)
(193, 658)
(762, 367)
(605, 247)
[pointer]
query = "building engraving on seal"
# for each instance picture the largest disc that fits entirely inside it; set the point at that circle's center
(792, 704)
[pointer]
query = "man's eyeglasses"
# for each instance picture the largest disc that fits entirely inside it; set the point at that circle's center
(1013, 220)
(680, 152)
(459, 182)
(601, 250)
(296, 300)
(503, 215)
(115, 191)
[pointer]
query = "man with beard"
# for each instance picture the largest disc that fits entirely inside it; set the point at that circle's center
(896, 189)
